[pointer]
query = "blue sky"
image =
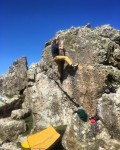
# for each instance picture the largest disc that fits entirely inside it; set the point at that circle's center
(25, 25)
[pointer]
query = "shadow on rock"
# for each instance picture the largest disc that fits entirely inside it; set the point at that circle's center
(58, 144)
(68, 70)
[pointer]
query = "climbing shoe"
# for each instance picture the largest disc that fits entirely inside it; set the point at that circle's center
(74, 65)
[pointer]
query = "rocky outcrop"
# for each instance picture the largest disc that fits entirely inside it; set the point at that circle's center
(12, 86)
(10, 129)
(109, 112)
(1, 83)
(8, 146)
(52, 102)
(7, 105)
(14, 82)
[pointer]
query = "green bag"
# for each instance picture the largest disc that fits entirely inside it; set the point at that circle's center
(82, 114)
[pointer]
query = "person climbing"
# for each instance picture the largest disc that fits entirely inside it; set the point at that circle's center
(61, 48)
(62, 62)
(55, 48)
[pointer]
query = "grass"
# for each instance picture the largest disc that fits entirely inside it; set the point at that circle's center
(61, 128)
(9, 96)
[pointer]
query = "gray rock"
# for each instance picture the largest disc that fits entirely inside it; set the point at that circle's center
(109, 111)
(10, 129)
(32, 72)
(9, 104)
(9, 146)
(20, 113)
(15, 81)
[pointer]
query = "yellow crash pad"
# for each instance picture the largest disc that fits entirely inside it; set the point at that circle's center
(41, 140)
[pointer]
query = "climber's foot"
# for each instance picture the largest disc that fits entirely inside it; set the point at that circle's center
(74, 65)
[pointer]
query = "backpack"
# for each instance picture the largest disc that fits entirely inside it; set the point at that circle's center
(82, 114)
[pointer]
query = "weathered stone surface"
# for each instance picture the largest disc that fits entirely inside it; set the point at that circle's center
(49, 106)
(1, 83)
(9, 104)
(9, 146)
(15, 81)
(20, 113)
(10, 129)
(109, 111)
(32, 72)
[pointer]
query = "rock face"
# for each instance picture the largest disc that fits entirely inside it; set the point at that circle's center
(94, 86)
(7, 105)
(10, 129)
(12, 86)
(15, 81)
(1, 80)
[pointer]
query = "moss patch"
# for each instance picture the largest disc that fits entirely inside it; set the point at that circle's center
(9, 96)
(61, 128)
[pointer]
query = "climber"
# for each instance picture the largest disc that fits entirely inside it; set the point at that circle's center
(55, 53)
(55, 48)
(62, 62)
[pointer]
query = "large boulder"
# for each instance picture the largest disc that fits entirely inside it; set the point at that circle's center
(53, 102)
